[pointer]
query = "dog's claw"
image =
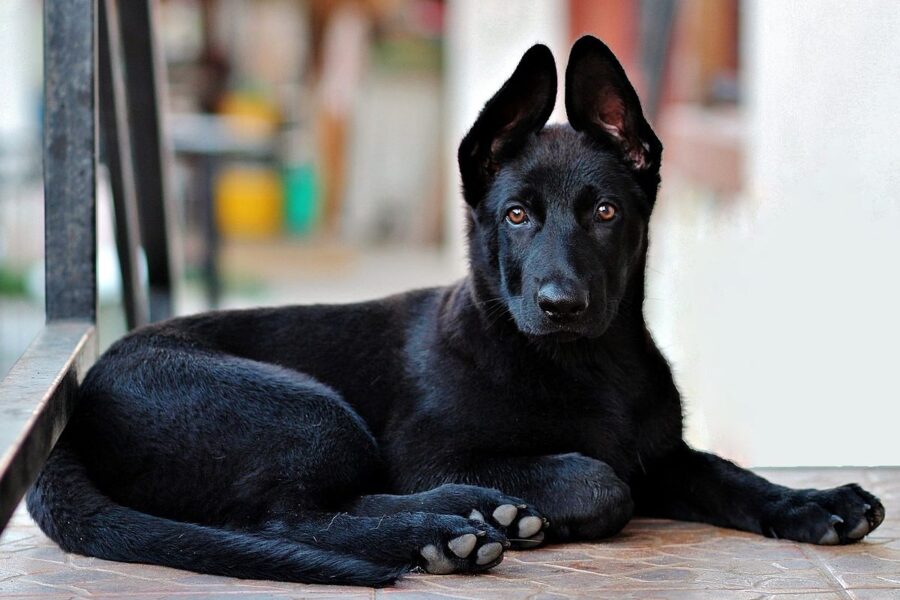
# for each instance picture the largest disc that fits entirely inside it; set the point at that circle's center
(475, 515)
(531, 542)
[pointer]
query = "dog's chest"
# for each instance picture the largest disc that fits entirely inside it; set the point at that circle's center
(566, 415)
(541, 414)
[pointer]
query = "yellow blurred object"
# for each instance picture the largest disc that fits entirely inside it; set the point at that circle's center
(250, 113)
(249, 202)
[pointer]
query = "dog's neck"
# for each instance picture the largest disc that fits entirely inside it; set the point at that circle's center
(479, 317)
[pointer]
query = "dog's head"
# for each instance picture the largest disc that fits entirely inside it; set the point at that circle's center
(559, 214)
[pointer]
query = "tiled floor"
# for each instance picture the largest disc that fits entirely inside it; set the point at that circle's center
(650, 560)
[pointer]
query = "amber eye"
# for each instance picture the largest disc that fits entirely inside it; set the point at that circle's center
(605, 212)
(516, 215)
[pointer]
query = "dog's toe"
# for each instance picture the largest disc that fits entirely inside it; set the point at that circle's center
(831, 536)
(459, 546)
(437, 563)
(505, 514)
(860, 530)
(463, 545)
(489, 553)
(530, 526)
(530, 542)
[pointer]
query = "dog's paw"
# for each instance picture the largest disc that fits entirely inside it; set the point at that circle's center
(463, 546)
(522, 524)
(840, 515)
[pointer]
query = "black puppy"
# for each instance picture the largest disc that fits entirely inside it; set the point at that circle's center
(348, 444)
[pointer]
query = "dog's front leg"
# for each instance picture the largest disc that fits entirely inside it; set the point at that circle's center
(697, 486)
(582, 497)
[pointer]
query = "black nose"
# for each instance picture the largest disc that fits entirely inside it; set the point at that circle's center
(558, 300)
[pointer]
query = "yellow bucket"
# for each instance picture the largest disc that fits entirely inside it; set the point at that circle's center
(249, 202)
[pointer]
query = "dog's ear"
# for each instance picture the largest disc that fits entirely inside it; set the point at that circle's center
(601, 101)
(521, 107)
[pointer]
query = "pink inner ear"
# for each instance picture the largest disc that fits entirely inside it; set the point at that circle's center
(611, 129)
(612, 118)
(611, 113)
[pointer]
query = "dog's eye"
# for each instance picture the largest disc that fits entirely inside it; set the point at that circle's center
(516, 215)
(605, 212)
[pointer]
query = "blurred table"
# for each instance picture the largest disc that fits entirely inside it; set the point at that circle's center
(204, 142)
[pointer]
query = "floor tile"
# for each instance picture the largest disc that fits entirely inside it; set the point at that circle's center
(651, 559)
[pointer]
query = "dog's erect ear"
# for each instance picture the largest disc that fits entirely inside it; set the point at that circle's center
(601, 101)
(521, 107)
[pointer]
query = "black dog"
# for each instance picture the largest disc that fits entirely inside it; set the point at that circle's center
(348, 444)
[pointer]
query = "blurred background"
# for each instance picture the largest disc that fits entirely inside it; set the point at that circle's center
(313, 144)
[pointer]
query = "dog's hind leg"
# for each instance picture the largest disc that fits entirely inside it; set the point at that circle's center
(215, 439)
(205, 437)
(438, 543)
(518, 520)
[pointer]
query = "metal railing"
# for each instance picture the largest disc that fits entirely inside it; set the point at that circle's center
(101, 89)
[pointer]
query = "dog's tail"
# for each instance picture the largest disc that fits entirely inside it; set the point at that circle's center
(70, 509)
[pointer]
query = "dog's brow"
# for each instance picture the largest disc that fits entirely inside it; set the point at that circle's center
(585, 197)
(528, 193)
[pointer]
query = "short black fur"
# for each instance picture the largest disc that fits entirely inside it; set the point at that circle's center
(349, 444)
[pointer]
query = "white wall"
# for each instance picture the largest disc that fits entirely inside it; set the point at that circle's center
(20, 63)
(485, 40)
(782, 309)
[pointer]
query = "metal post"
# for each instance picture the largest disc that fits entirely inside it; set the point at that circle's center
(116, 140)
(211, 275)
(38, 394)
(143, 81)
(70, 151)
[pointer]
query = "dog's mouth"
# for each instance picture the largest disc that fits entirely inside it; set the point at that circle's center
(558, 337)
(560, 331)
(563, 331)
(537, 326)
